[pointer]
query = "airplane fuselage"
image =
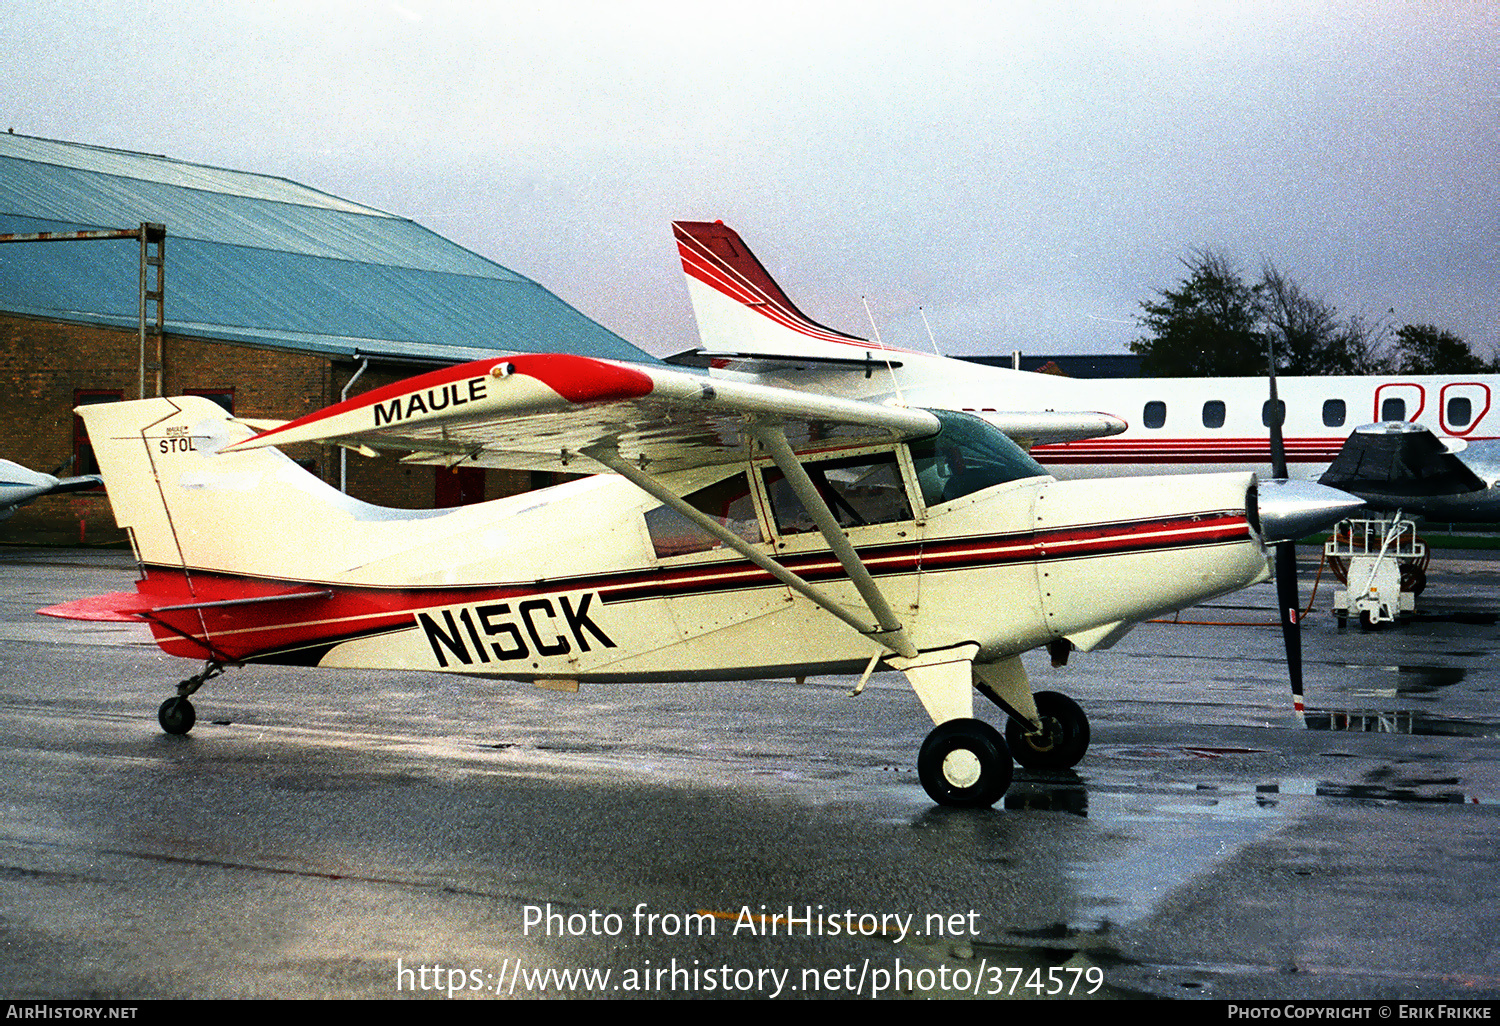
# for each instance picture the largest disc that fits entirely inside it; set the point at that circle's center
(595, 580)
(1179, 425)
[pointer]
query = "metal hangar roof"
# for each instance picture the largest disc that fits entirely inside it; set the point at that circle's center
(262, 260)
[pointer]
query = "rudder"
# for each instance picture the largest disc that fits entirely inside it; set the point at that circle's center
(187, 505)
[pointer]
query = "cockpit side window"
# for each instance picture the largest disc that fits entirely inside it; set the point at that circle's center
(968, 454)
(859, 490)
(728, 501)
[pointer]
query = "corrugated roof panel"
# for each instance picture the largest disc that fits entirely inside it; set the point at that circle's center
(234, 292)
(167, 171)
(252, 264)
(99, 201)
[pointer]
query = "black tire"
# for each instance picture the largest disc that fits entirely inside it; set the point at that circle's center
(1064, 739)
(964, 764)
(176, 716)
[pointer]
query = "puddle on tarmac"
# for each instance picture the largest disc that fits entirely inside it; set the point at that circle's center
(1397, 721)
(1172, 835)
(1172, 839)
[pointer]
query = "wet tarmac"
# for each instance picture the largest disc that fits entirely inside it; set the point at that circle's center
(371, 835)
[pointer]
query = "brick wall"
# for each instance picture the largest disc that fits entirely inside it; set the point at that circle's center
(45, 364)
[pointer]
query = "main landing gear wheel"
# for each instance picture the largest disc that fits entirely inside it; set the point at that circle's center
(176, 716)
(1060, 743)
(964, 764)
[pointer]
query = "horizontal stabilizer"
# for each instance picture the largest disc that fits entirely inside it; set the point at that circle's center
(116, 607)
(1045, 427)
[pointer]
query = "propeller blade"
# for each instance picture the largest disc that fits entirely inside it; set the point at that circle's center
(1273, 416)
(1289, 602)
(1287, 598)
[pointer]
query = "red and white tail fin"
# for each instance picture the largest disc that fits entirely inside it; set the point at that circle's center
(740, 308)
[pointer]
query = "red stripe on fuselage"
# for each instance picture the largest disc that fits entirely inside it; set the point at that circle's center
(247, 632)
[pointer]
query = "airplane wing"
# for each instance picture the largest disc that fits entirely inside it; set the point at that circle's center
(544, 412)
(18, 485)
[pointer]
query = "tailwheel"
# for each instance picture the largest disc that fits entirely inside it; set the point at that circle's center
(1060, 743)
(964, 764)
(176, 716)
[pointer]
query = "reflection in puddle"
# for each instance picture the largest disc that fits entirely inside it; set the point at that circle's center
(1388, 793)
(1419, 678)
(1397, 721)
(1172, 836)
(1173, 839)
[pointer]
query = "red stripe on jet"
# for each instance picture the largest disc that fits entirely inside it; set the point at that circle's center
(715, 255)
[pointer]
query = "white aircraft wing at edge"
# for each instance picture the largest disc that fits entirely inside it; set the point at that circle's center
(543, 412)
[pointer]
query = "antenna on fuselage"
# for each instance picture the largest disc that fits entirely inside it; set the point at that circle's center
(881, 346)
(929, 331)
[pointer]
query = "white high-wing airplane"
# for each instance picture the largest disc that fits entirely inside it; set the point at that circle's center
(734, 531)
(751, 331)
(18, 486)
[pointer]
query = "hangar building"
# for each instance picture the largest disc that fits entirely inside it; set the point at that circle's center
(272, 298)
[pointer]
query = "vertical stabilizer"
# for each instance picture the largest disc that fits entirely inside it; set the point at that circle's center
(741, 310)
(188, 505)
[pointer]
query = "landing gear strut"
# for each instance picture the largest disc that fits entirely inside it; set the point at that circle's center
(176, 714)
(964, 764)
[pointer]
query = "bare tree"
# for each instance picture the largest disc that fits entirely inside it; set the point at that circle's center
(1207, 326)
(1216, 324)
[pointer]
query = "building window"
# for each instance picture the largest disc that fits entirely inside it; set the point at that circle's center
(1334, 413)
(1213, 414)
(83, 453)
(1393, 409)
(1154, 415)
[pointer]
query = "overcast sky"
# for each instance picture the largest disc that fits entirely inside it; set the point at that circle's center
(1026, 173)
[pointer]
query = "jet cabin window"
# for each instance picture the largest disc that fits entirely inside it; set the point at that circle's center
(1213, 413)
(1154, 415)
(728, 501)
(1393, 409)
(859, 490)
(1265, 413)
(966, 455)
(1334, 413)
(1460, 411)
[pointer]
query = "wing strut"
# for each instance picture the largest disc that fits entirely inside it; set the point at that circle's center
(891, 631)
(895, 640)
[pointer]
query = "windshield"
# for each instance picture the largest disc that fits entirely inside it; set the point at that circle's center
(966, 455)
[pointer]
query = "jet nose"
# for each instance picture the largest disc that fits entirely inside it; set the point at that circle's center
(1292, 509)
